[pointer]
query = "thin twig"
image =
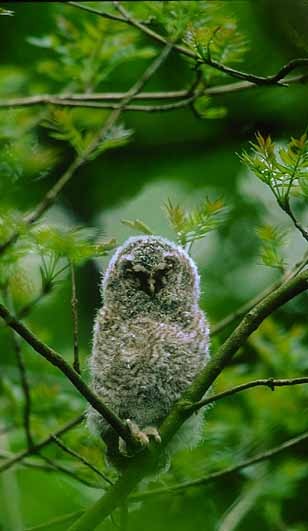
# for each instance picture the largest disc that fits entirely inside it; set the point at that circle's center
(26, 390)
(259, 80)
(83, 460)
(69, 472)
(110, 16)
(26, 463)
(286, 207)
(92, 99)
(74, 303)
(58, 361)
(22, 373)
(176, 489)
(55, 521)
(37, 447)
(145, 462)
(27, 308)
(272, 383)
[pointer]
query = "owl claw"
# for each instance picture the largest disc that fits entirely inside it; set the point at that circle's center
(137, 434)
(153, 432)
(143, 437)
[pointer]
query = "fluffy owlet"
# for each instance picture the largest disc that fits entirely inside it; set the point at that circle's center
(150, 336)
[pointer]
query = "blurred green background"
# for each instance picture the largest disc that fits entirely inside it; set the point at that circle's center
(179, 156)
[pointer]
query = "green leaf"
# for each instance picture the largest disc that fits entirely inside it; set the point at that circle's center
(203, 107)
(272, 240)
(137, 225)
(6, 12)
(284, 170)
(195, 224)
(76, 245)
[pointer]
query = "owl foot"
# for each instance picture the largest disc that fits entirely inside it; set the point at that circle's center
(153, 432)
(141, 437)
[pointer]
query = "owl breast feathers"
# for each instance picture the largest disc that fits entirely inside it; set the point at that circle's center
(150, 336)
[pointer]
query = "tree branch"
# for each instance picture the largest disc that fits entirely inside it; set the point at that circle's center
(237, 338)
(68, 472)
(56, 359)
(80, 458)
(26, 390)
(272, 383)
(91, 100)
(145, 462)
(286, 207)
(176, 489)
(74, 304)
(252, 78)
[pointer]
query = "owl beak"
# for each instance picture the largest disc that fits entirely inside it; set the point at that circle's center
(152, 285)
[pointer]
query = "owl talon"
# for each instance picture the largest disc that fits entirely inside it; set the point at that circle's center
(141, 437)
(152, 432)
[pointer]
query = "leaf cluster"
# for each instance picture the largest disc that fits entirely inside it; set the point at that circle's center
(189, 226)
(283, 169)
(193, 225)
(84, 51)
(64, 125)
(76, 245)
(223, 43)
(22, 155)
(272, 240)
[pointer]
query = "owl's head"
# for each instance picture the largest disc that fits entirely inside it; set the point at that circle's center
(151, 274)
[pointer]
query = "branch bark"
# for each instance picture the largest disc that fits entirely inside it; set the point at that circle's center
(109, 99)
(127, 18)
(271, 383)
(56, 359)
(147, 461)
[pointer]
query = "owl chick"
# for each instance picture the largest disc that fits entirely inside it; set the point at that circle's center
(150, 336)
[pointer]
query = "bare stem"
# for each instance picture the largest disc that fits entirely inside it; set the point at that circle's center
(145, 462)
(74, 303)
(55, 521)
(68, 472)
(37, 447)
(287, 209)
(271, 383)
(258, 80)
(58, 361)
(26, 390)
(94, 99)
(80, 458)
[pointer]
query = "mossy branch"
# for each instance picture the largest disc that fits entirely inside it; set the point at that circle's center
(56, 359)
(147, 461)
(271, 383)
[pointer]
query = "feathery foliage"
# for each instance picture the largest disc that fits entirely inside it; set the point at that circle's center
(193, 225)
(283, 169)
